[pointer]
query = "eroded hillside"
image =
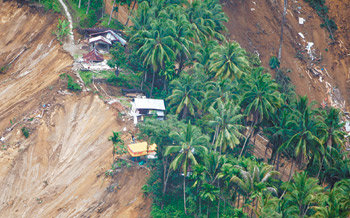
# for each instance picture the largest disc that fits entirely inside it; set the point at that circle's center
(59, 170)
(256, 25)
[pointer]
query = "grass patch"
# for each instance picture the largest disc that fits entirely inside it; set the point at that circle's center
(86, 76)
(129, 81)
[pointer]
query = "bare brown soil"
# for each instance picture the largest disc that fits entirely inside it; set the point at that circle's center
(59, 170)
(122, 14)
(256, 26)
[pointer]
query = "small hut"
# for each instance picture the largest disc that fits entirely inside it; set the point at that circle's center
(93, 56)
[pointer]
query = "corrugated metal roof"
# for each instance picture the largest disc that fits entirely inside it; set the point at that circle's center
(100, 38)
(148, 103)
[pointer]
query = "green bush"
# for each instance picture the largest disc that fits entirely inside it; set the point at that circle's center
(71, 85)
(62, 30)
(274, 62)
(4, 68)
(86, 76)
(25, 132)
(322, 11)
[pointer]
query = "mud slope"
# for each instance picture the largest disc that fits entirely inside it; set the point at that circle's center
(59, 170)
(28, 34)
(256, 26)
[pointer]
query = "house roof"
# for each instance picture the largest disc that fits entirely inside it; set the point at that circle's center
(114, 34)
(100, 39)
(148, 103)
(140, 149)
(93, 56)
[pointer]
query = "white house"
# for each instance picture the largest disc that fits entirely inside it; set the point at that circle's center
(111, 36)
(142, 107)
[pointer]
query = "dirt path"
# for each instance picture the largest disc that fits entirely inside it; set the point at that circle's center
(69, 17)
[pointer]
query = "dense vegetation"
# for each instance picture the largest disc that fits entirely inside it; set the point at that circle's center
(220, 102)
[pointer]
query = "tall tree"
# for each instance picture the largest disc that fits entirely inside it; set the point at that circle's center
(156, 46)
(260, 99)
(300, 194)
(227, 123)
(185, 95)
(191, 142)
(229, 61)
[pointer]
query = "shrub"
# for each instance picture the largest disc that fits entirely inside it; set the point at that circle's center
(71, 85)
(4, 68)
(62, 30)
(25, 132)
(86, 76)
(274, 62)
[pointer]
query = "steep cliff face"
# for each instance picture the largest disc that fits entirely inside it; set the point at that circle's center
(59, 170)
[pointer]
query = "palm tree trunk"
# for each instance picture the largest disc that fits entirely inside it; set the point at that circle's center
(282, 25)
(319, 171)
(208, 211)
(291, 170)
(127, 21)
(248, 136)
(278, 161)
(88, 7)
(154, 75)
(184, 183)
(110, 16)
(79, 5)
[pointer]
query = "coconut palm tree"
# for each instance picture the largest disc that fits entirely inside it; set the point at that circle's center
(229, 61)
(224, 90)
(260, 100)
(185, 95)
(156, 46)
(209, 193)
(278, 133)
(252, 181)
(183, 42)
(304, 140)
(331, 206)
(202, 54)
(342, 190)
(301, 192)
(334, 136)
(227, 123)
(191, 142)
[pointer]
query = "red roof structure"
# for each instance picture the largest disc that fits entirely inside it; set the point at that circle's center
(93, 56)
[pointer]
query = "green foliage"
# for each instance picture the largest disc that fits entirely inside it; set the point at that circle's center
(53, 5)
(114, 24)
(118, 144)
(204, 168)
(71, 85)
(124, 80)
(62, 30)
(285, 86)
(4, 69)
(83, 19)
(274, 62)
(25, 132)
(86, 76)
(119, 56)
(322, 11)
